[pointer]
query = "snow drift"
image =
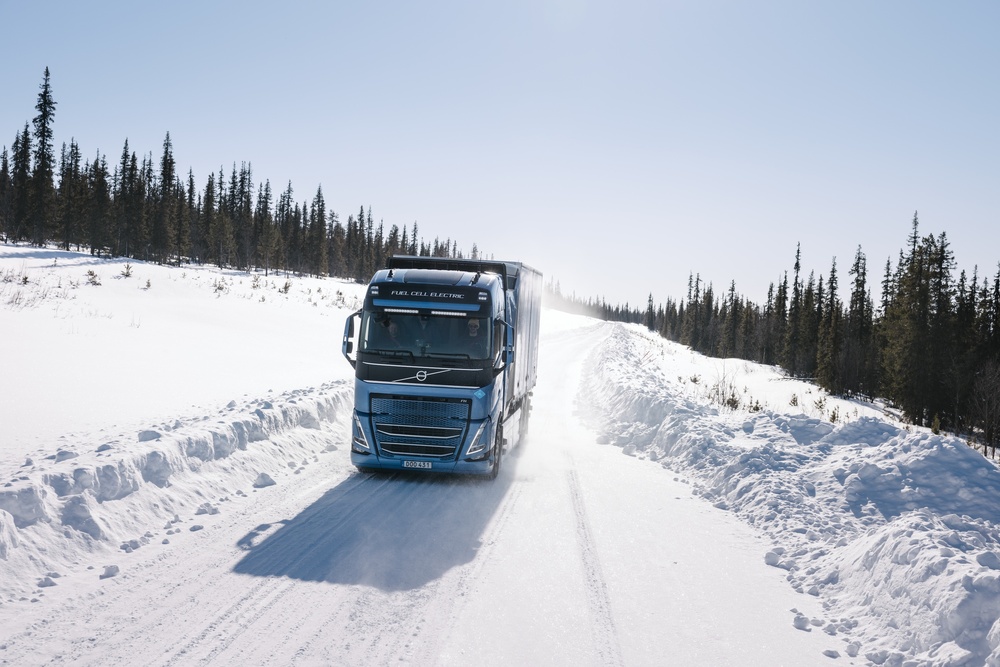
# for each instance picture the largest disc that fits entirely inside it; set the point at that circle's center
(87, 498)
(893, 528)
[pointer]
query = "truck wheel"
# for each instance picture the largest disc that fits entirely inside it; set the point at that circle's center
(497, 452)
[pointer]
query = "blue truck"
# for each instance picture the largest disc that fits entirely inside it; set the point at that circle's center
(445, 353)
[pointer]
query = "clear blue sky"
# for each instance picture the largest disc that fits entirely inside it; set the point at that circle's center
(617, 146)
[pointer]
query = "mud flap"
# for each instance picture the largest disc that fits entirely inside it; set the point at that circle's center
(512, 431)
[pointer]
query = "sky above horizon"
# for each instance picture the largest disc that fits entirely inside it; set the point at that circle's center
(618, 147)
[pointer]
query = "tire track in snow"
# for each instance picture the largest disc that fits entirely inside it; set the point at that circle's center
(222, 629)
(454, 596)
(258, 601)
(604, 632)
(370, 622)
(380, 626)
(281, 598)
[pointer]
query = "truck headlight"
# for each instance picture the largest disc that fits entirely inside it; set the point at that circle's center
(359, 443)
(481, 442)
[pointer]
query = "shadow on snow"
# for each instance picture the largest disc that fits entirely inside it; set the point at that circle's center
(392, 532)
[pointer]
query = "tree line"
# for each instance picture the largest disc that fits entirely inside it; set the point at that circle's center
(145, 209)
(931, 345)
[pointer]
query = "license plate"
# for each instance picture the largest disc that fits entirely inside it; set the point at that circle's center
(426, 465)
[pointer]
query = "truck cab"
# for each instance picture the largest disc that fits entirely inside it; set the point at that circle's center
(433, 352)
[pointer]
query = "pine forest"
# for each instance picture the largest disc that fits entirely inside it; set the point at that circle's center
(930, 346)
(144, 209)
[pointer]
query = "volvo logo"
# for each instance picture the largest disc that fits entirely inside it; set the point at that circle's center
(423, 374)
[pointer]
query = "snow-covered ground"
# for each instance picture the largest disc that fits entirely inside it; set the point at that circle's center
(177, 490)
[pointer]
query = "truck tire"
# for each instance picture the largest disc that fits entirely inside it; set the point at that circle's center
(497, 452)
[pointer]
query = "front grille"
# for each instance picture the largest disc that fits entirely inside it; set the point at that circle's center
(406, 426)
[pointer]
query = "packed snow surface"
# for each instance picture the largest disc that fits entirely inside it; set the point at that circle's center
(177, 490)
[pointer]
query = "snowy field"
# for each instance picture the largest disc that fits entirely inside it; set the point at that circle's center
(177, 490)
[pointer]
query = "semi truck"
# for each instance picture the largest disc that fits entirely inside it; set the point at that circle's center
(445, 353)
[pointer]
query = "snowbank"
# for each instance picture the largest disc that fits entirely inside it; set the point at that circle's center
(894, 529)
(112, 496)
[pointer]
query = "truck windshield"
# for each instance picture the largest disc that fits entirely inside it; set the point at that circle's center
(392, 334)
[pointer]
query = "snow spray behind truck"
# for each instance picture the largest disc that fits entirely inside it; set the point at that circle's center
(445, 353)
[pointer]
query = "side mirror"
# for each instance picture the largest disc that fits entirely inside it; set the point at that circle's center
(505, 356)
(348, 344)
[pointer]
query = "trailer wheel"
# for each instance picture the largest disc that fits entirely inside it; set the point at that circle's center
(497, 452)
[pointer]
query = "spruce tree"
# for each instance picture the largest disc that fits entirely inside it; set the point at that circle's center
(208, 223)
(731, 324)
(860, 354)
(352, 248)
(338, 247)
(269, 237)
(283, 219)
(993, 344)
(147, 199)
(378, 248)
(6, 196)
(766, 349)
(21, 185)
(709, 333)
(691, 325)
(98, 217)
(222, 237)
(809, 318)
(907, 359)
(70, 196)
(393, 242)
(780, 319)
(828, 359)
(243, 228)
(317, 234)
(792, 343)
(943, 362)
(187, 219)
(42, 200)
(888, 286)
(119, 244)
(163, 207)
(369, 256)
